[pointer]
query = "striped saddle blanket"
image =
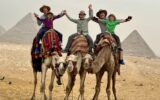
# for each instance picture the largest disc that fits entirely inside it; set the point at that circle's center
(51, 43)
(79, 44)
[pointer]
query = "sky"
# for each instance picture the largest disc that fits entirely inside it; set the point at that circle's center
(146, 16)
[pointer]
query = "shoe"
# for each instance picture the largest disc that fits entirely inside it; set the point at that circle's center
(121, 62)
(37, 51)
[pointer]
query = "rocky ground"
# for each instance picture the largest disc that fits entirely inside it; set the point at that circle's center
(139, 79)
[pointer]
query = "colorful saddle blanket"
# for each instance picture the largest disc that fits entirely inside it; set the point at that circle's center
(51, 43)
(79, 44)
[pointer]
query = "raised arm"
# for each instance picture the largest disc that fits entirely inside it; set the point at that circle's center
(38, 21)
(71, 19)
(126, 20)
(37, 17)
(95, 19)
(90, 13)
(59, 15)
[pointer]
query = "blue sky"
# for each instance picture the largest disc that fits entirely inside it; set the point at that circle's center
(146, 16)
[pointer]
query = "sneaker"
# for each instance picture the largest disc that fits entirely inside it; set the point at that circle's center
(121, 62)
(37, 50)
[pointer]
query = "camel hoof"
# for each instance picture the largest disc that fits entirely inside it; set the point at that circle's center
(65, 98)
(44, 98)
(33, 98)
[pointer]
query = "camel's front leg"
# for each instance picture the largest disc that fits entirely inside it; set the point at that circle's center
(42, 89)
(51, 85)
(35, 84)
(82, 80)
(71, 80)
(98, 84)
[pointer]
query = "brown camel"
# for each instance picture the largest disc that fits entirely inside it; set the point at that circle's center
(104, 61)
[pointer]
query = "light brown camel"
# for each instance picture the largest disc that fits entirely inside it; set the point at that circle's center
(48, 62)
(104, 61)
(79, 50)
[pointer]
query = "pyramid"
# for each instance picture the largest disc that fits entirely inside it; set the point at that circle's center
(2, 30)
(135, 45)
(23, 32)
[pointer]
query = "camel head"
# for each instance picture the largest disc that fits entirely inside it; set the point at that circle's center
(61, 62)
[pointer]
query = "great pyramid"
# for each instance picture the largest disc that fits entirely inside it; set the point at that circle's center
(23, 32)
(2, 30)
(135, 45)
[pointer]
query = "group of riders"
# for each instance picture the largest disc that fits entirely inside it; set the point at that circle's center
(107, 25)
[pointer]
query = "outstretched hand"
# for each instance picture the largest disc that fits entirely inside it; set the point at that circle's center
(129, 18)
(90, 6)
(35, 15)
(64, 12)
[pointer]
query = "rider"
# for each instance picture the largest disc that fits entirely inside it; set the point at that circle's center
(101, 14)
(82, 27)
(111, 24)
(45, 10)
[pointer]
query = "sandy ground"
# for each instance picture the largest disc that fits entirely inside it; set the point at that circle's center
(140, 78)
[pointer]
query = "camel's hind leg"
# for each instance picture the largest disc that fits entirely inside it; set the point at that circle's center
(114, 85)
(71, 81)
(51, 85)
(110, 73)
(98, 84)
(42, 88)
(82, 80)
(35, 84)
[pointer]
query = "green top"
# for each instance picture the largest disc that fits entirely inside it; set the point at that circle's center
(110, 25)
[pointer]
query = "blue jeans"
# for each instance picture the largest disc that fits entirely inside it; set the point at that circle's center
(41, 33)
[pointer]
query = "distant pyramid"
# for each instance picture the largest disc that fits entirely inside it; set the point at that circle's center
(2, 30)
(135, 45)
(22, 32)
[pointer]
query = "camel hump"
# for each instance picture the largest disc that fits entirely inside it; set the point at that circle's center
(79, 44)
(51, 43)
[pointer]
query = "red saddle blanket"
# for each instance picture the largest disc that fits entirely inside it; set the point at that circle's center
(51, 43)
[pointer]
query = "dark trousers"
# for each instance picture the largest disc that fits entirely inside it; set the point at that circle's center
(116, 37)
(42, 32)
(70, 40)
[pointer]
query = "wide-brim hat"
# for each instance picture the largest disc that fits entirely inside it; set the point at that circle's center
(45, 6)
(101, 11)
(82, 12)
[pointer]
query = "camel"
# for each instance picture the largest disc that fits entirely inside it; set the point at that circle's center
(42, 65)
(104, 61)
(76, 60)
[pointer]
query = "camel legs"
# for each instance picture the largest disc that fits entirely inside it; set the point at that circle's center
(42, 88)
(71, 81)
(98, 84)
(110, 73)
(114, 85)
(51, 85)
(82, 80)
(35, 84)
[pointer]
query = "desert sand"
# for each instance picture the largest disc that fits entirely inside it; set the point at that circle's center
(139, 78)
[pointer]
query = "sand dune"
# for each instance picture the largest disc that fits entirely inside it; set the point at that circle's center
(139, 80)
